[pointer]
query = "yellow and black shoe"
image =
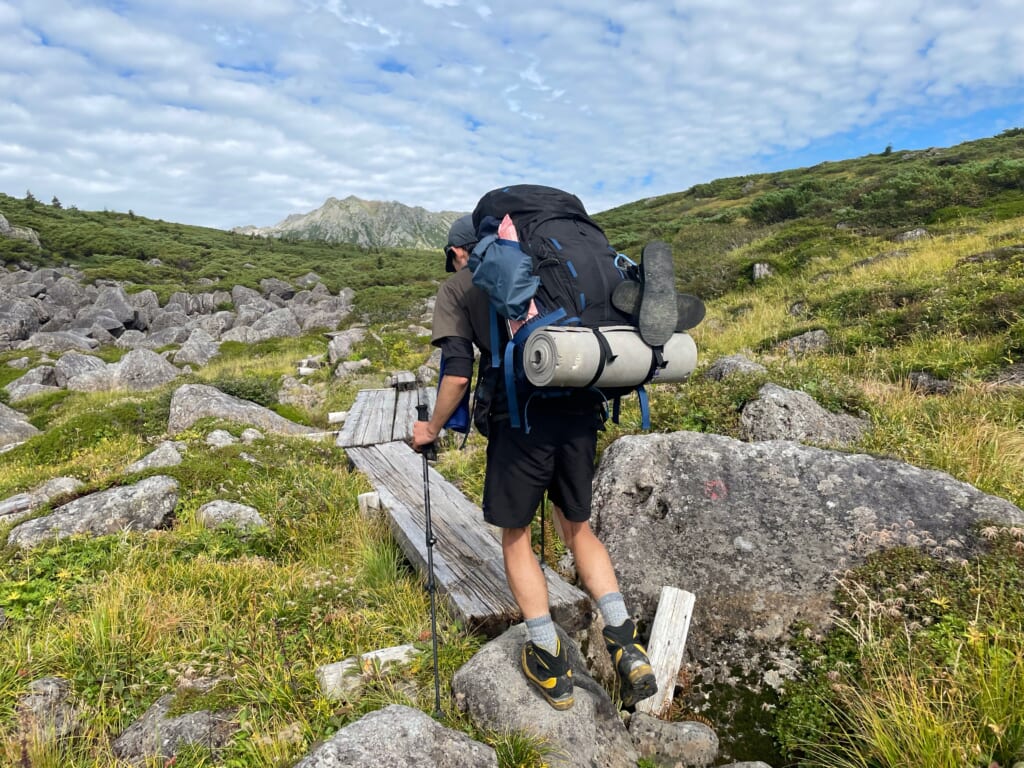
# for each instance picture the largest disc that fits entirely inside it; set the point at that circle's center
(551, 675)
(632, 667)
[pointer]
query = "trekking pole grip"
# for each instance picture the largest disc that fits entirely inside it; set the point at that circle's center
(430, 450)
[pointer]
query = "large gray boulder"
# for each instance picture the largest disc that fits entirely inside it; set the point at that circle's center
(14, 427)
(15, 507)
(69, 293)
(758, 531)
(140, 507)
(399, 737)
(492, 689)
(193, 402)
(198, 350)
(59, 341)
(277, 324)
(40, 380)
(786, 414)
(20, 318)
(72, 364)
(143, 369)
(113, 300)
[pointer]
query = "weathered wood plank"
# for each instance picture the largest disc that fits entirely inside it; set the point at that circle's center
(370, 420)
(468, 566)
(666, 647)
(403, 380)
(405, 410)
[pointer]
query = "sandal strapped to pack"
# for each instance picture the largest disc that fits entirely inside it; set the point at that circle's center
(657, 315)
(689, 309)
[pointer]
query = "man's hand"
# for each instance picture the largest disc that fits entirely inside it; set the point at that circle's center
(422, 435)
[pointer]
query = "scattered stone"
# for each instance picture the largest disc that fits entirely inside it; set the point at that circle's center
(689, 744)
(220, 438)
(14, 427)
(193, 402)
(157, 735)
(165, 455)
(250, 435)
(21, 363)
(306, 397)
(139, 507)
(22, 504)
(341, 344)
(349, 367)
(47, 710)
(397, 737)
(762, 271)
(341, 681)
(734, 365)
(925, 383)
(919, 233)
(785, 414)
(217, 513)
(806, 343)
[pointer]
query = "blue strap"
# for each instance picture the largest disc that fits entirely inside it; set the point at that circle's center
(495, 339)
(510, 385)
(645, 408)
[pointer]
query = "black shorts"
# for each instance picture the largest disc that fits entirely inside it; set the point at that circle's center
(556, 456)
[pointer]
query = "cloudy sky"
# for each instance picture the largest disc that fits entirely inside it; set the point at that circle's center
(231, 112)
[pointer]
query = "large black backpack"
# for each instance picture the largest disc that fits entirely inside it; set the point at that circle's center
(563, 262)
(577, 267)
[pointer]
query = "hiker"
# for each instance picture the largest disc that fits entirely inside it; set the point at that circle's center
(556, 455)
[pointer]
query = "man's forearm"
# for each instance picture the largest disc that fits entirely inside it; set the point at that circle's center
(449, 395)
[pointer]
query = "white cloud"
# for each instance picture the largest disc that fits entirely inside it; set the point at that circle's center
(224, 112)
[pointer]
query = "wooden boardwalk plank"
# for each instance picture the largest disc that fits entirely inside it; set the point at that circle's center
(383, 415)
(468, 566)
(370, 420)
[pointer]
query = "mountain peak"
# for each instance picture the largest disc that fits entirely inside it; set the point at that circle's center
(364, 222)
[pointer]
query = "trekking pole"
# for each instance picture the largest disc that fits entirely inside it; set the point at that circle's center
(543, 509)
(430, 454)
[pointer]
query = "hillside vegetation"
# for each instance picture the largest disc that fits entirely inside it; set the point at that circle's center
(126, 617)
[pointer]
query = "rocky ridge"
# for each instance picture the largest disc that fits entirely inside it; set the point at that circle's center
(364, 222)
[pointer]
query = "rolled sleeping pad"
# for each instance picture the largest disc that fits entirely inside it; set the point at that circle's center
(570, 356)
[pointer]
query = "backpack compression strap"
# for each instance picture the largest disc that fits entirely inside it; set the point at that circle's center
(519, 339)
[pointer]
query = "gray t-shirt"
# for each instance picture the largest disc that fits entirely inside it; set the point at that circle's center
(461, 310)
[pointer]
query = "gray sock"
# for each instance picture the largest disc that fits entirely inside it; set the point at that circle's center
(613, 609)
(542, 633)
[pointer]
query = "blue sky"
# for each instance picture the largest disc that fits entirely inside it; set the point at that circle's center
(233, 112)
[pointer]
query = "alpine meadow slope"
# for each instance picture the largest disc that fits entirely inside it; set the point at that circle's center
(909, 264)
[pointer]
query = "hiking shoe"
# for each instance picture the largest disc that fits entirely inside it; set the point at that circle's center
(551, 675)
(632, 667)
(689, 309)
(657, 315)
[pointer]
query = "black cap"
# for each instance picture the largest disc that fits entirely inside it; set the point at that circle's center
(461, 234)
